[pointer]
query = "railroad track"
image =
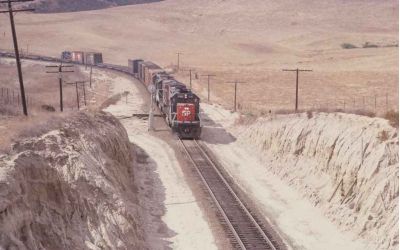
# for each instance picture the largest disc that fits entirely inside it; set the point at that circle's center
(245, 231)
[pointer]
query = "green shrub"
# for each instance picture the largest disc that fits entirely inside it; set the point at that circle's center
(383, 136)
(393, 118)
(369, 45)
(348, 46)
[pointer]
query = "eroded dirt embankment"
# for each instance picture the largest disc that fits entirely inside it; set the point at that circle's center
(71, 188)
(345, 164)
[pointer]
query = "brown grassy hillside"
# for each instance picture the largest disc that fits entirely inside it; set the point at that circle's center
(252, 41)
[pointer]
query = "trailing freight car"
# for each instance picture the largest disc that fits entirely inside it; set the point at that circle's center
(66, 56)
(141, 66)
(150, 71)
(93, 58)
(147, 71)
(78, 57)
(133, 65)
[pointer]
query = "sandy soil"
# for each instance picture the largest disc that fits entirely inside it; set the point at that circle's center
(250, 42)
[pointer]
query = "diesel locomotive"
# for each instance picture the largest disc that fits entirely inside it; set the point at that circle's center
(180, 106)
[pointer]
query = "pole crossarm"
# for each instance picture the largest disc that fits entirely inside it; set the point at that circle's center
(302, 70)
(15, 1)
(19, 10)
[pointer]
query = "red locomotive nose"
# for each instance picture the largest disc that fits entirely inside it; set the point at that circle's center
(185, 112)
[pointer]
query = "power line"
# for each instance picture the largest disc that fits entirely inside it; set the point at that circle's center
(59, 72)
(11, 12)
(297, 83)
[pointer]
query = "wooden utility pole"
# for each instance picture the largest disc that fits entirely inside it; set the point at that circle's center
(59, 72)
(11, 12)
(235, 98)
(178, 63)
(190, 77)
(208, 85)
(297, 84)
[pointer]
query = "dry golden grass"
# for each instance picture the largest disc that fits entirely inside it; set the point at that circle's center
(41, 89)
(251, 42)
(393, 118)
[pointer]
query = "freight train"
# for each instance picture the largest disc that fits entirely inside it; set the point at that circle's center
(180, 106)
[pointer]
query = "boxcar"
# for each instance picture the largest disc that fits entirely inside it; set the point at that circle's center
(150, 71)
(134, 65)
(66, 56)
(141, 67)
(94, 58)
(78, 57)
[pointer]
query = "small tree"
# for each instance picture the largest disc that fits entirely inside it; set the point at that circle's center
(348, 46)
(393, 118)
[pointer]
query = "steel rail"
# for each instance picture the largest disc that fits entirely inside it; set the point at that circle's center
(221, 210)
(239, 239)
(237, 198)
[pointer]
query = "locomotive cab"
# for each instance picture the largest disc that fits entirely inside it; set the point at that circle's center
(186, 120)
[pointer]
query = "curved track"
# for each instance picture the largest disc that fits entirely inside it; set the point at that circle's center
(246, 232)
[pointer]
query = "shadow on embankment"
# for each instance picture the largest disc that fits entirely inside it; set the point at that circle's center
(213, 132)
(152, 197)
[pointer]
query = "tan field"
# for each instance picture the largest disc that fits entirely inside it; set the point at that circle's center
(41, 89)
(249, 41)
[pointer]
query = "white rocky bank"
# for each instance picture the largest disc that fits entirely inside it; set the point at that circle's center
(325, 152)
(71, 188)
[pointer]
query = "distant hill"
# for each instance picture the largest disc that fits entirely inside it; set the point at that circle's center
(52, 6)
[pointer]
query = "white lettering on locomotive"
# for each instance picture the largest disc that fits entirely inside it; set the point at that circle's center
(186, 111)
